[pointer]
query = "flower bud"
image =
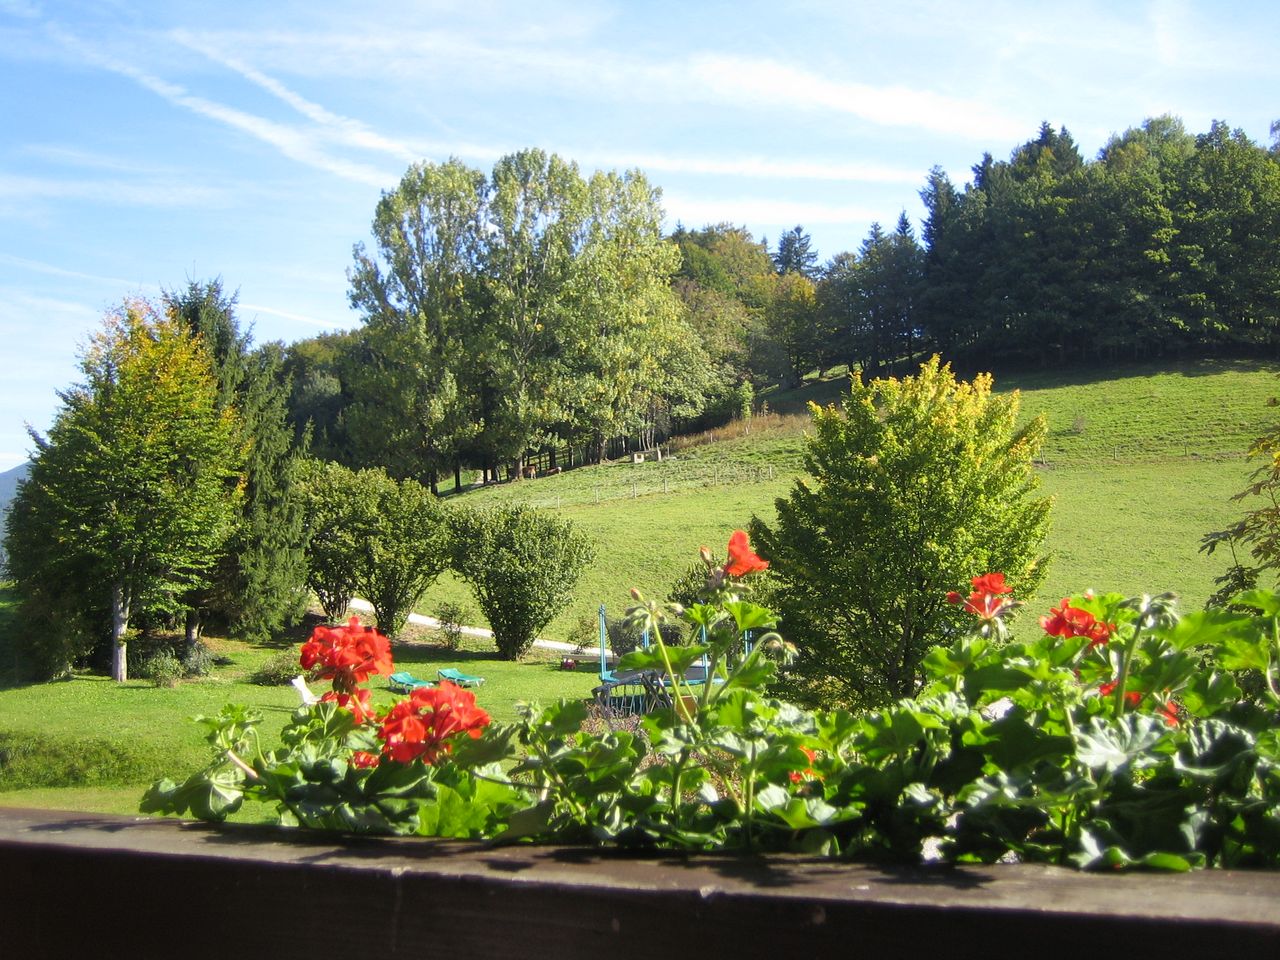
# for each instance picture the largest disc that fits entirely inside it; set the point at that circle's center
(705, 553)
(636, 595)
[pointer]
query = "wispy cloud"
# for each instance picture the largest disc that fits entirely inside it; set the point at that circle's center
(295, 317)
(293, 142)
(753, 82)
(328, 125)
(118, 192)
(758, 212)
(764, 168)
(55, 271)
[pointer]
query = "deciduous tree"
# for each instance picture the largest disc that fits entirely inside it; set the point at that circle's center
(914, 487)
(137, 487)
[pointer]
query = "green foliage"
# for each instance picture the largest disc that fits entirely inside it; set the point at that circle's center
(258, 586)
(277, 670)
(402, 545)
(163, 669)
(452, 617)
(522, 566)
(330, 497)
(506, 311)
(1258, 532)
(134, 493)
(917, 486)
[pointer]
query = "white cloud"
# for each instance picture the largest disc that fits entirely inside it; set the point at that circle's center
(294, 143)
(763, 212)
(47, 268)
(295, 317)
(119, 192)
(764, 168)
(750, 82)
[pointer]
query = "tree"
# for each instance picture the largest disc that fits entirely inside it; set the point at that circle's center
(796, 254)
(792, 315)
(503, 313)
(916, 486)
(258, 586)
(522, 566)
(1257, 534)
(136, 489)
(402, 544)
(331, 512)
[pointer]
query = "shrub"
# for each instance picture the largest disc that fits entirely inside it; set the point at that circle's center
(452, 618)
(197, 660)
(916, 486)
(522, 566)
(277, 670)
(164, 670)
(403, 545)
(328, 495)
(584, 634)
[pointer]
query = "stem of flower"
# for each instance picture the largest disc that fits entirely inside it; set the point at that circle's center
(1126, 659)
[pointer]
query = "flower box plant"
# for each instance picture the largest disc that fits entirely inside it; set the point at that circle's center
(1118, 737)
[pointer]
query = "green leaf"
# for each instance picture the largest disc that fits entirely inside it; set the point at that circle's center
(1113, 745)
(750, 616)
(1267, 602)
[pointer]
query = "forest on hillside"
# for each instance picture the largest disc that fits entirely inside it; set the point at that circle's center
(487, 290)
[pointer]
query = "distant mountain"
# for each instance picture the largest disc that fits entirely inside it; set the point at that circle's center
(8, 487)
(9, 484)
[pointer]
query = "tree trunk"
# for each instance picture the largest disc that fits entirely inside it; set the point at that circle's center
(192, 631)
(119, 624)
(457, 476)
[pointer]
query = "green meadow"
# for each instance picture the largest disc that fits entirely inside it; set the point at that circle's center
(1141, 463)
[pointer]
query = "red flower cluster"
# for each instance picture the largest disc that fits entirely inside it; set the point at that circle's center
(808, 773)
(357, 702)
(347, 655)
(422, 725)
(1065, 620)
(987, 600)
(742, 559)
(1132, 697)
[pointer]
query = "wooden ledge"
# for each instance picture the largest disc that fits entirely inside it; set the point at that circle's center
(92, 885)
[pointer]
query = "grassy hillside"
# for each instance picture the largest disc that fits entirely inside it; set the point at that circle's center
(1142, 462)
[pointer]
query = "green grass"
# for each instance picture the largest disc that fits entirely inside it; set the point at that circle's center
(1141, 463)
(87, 743)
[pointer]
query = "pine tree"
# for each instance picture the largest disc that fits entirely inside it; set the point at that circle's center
(260, 583)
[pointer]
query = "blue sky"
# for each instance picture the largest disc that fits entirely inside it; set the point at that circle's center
(145, 143)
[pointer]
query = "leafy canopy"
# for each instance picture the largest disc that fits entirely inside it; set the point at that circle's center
(914, 487)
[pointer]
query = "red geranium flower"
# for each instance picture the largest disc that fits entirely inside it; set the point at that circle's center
(1132, 697)
(364, 760)
(1169, 713)
(986, 602)
(991, 583)
(347, 654)
(423, 724)
(799, 776)
(1065, 620)
(742, 560)
(357, 702)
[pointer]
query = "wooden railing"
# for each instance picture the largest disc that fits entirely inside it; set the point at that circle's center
(98, 886)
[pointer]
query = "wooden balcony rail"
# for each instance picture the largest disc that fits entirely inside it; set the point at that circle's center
(86, 885)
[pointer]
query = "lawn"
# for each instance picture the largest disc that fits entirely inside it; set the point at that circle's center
(134, 732)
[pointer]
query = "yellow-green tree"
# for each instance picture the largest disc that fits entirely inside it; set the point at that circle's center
(133, 493)
(914, 487)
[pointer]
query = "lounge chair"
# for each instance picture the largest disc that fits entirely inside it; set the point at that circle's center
(405, 682)
(460, 678)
